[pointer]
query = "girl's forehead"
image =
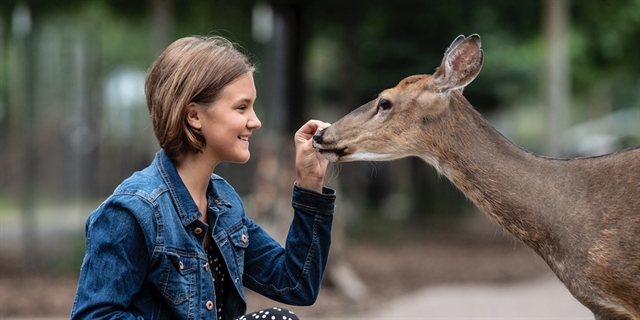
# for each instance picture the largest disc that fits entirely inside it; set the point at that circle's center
(242, 89)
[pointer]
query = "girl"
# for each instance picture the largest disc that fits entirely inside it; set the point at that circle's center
(173, 241)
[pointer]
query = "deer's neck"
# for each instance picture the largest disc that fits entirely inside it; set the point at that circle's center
(502, 179)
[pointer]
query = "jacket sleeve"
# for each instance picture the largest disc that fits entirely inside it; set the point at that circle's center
(293, 274)
(115, 264)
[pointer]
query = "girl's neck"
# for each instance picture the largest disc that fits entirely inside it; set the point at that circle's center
(195, 171)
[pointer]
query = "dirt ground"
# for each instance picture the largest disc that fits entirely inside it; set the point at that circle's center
(445, 255)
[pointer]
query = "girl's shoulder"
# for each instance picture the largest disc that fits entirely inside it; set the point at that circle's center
(146, 184)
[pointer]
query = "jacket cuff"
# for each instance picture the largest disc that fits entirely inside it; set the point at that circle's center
(311, 200)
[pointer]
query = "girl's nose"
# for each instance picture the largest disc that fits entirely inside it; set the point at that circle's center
(254, 122)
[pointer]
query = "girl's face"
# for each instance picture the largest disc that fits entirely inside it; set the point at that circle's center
(227, 123)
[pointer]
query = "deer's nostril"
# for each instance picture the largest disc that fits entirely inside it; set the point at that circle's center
(318, 137)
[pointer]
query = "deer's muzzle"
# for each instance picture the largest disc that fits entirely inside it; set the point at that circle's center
(331, 154)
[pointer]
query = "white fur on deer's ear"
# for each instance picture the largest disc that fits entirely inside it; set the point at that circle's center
(455, 43)
(461, 64)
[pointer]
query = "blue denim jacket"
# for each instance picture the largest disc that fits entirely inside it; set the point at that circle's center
(145, 259)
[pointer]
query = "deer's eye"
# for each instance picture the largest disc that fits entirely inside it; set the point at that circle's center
(384, 104)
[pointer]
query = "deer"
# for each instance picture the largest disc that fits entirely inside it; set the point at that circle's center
(580, 215)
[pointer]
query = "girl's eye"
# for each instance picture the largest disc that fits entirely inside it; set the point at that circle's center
(242, 107)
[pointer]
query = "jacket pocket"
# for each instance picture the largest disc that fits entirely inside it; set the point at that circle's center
(179, 276)
(240, 241)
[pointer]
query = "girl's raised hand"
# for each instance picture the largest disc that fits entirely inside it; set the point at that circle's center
(310, 165)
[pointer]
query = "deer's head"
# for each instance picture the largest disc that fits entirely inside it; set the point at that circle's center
(398, 122)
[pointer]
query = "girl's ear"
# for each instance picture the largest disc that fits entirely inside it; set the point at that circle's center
(193, 118)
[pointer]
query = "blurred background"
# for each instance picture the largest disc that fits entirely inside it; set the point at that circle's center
(561, 78)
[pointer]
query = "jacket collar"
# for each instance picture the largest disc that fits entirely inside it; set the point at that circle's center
(185, 206)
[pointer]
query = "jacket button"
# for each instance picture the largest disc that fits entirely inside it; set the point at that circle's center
(181, 265)
(206, 266)
(197, 230)
(209, 305)
(245, 239)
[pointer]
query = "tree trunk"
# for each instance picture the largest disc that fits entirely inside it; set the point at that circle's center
(24, 99)
(557, 78)
(162, 28)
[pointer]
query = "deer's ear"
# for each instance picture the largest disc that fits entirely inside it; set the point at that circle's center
(455, 43)
(461, 64)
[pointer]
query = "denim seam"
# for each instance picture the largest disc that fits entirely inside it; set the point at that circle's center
(311, 208)
(315, 193)
(88, 245)
(157, 248)
(138, 193)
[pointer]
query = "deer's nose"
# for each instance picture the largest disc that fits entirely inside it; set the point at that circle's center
(317, 138)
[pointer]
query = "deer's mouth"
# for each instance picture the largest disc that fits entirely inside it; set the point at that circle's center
(332, 155)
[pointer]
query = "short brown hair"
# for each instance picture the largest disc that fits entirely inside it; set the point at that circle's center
(192, 69)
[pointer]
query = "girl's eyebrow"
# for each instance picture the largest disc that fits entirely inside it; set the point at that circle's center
(243, 100)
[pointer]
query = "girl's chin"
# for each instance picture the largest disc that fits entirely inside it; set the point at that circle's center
(242, 159)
